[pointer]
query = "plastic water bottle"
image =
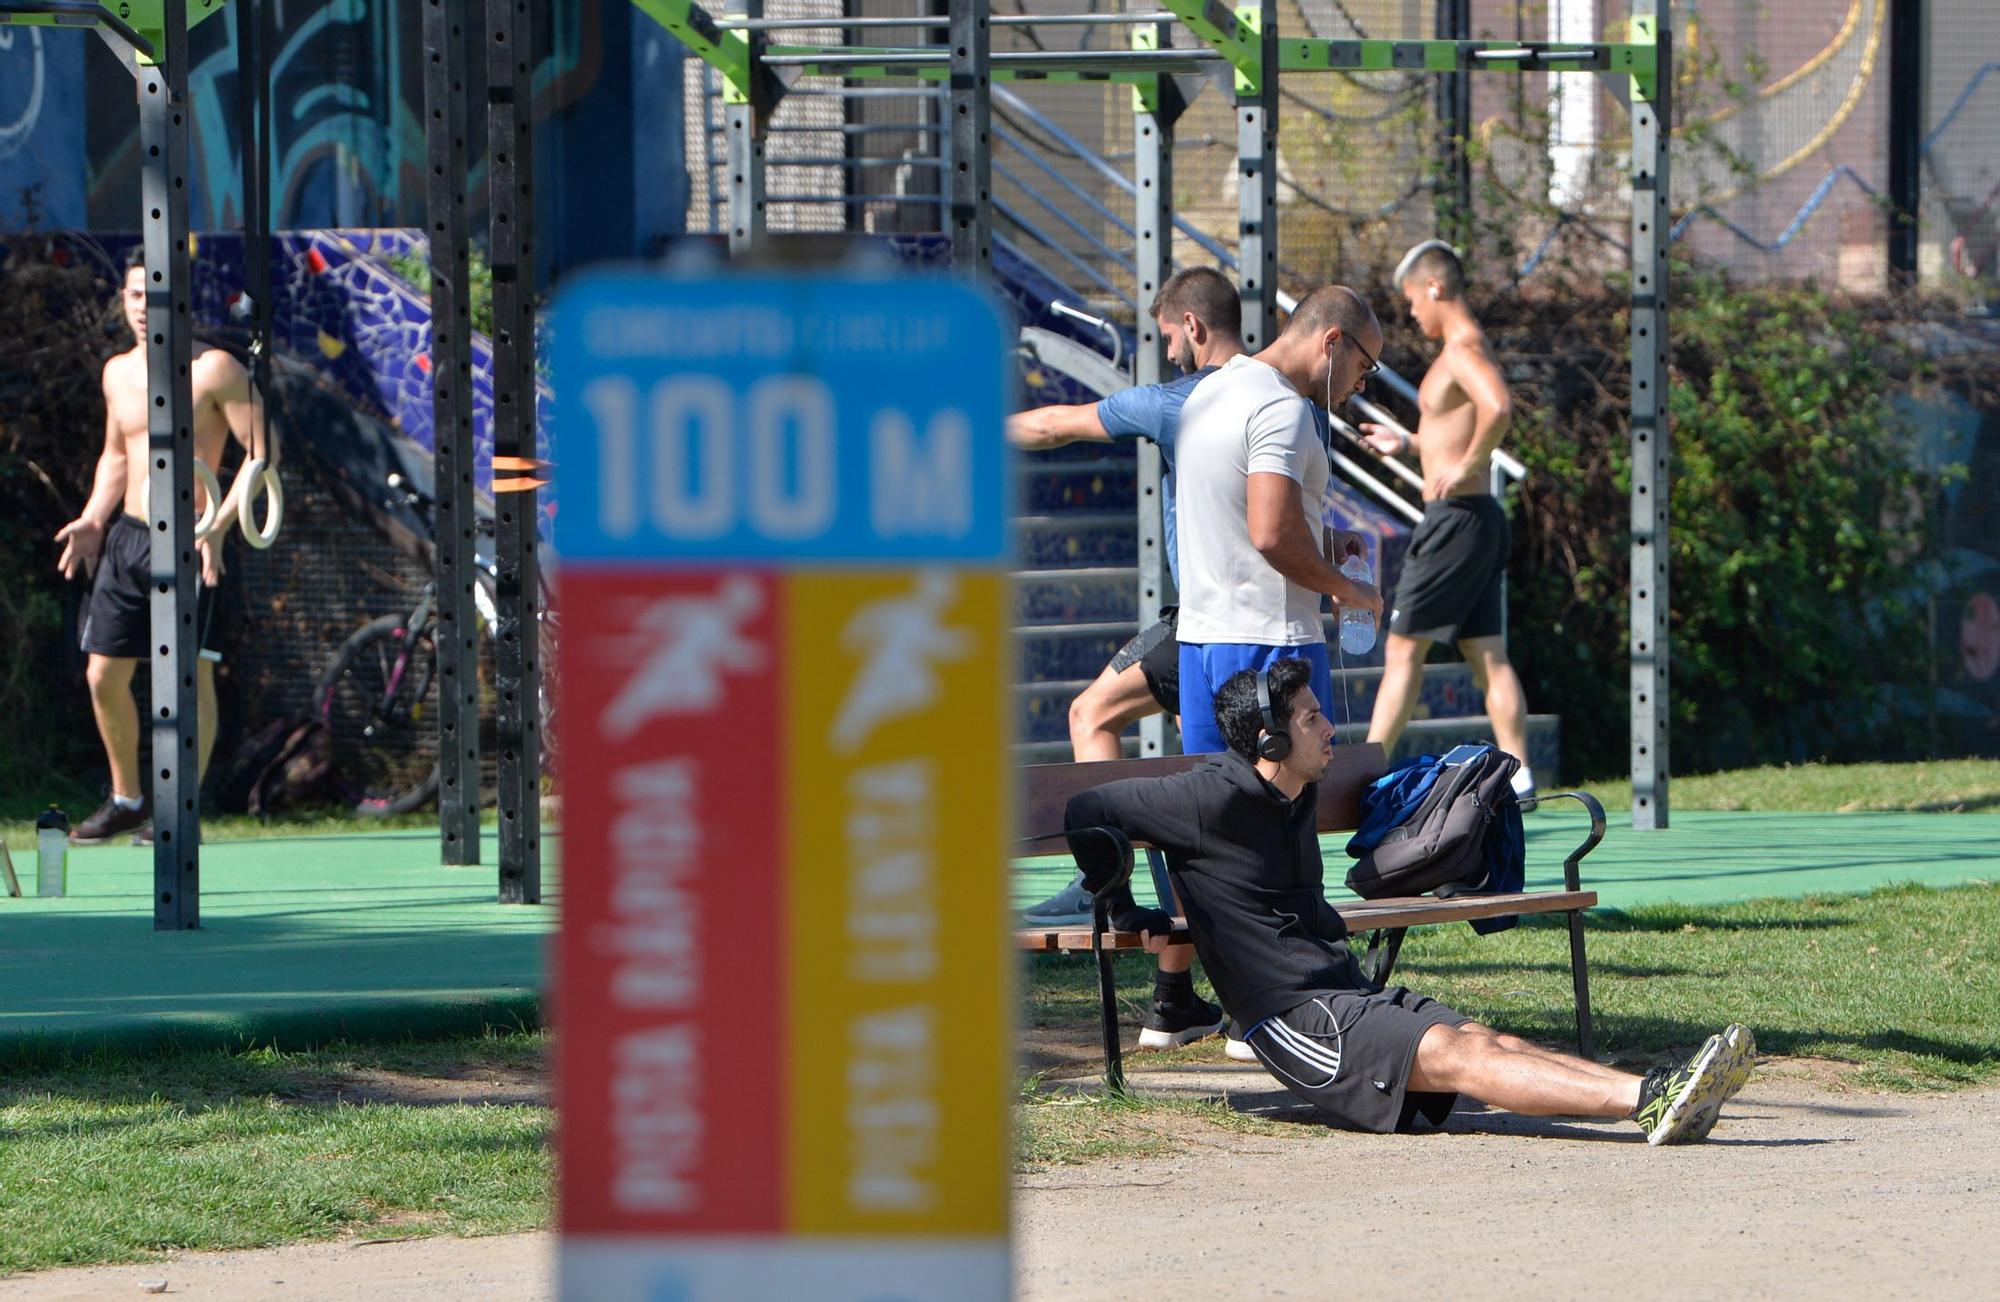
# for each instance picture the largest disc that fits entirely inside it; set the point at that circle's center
(1357, 626)
(52, 852)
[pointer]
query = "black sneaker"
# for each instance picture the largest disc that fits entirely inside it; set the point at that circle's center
(1680, 1105)
(110, 821)
(1171, 1025)
(1069, 906)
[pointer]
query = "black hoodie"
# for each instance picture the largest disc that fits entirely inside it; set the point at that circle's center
(1245, 863)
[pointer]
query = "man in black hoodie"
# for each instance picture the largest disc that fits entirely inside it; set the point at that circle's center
(1239, 834)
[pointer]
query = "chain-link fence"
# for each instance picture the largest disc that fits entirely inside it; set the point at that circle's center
(1781, 164)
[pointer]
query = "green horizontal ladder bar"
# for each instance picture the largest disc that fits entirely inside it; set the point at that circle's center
(1296, 55)
(930, 64)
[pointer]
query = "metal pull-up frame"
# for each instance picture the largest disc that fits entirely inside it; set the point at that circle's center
(153, 36)
(756, 72)
(505, 43)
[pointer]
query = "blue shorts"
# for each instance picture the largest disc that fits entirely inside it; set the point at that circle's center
(1207, 666)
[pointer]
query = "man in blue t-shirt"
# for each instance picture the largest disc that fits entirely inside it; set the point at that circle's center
(1201, 319)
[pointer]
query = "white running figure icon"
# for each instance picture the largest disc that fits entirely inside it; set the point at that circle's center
(900, 638)
(683, 645)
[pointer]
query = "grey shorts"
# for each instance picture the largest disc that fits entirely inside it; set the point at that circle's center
(1158, 656)
(1349, 1054)
(1450, 587)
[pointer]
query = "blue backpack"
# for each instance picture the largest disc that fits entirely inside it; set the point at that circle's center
(1445, 824)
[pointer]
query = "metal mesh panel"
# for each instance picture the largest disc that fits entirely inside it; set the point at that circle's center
(1780, 147)
(1960, 159)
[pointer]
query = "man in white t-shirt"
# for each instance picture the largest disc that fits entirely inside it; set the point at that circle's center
(1251, 472)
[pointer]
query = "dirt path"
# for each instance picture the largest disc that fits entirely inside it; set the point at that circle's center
(505, 1268)
(1804, 1190)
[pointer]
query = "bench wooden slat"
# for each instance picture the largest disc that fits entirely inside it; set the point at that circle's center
(1046, 789)
(1360, 915)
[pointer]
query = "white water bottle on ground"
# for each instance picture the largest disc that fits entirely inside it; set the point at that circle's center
(1357, 626)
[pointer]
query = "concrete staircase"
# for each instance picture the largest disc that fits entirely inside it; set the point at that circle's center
(1076, 603)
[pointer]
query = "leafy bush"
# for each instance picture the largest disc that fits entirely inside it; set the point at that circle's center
(1797, 518)
(58, 315)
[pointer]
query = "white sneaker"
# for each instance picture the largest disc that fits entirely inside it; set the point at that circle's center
(1238, 1050)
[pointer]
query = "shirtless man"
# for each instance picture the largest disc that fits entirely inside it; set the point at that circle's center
(112, 540)
(1451, 583)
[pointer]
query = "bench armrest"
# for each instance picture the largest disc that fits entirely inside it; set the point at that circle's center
(1591, 805)
(1121, 847)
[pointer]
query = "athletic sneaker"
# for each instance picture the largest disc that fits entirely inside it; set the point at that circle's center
(110, 820)
(1069, 906)
(1237, 1050)
(1169, 1025)
(1680, 1105)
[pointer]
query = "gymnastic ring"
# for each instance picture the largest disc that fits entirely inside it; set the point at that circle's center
(205, 524)
(257, 473)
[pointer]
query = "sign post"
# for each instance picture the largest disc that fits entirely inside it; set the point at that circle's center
(783, 1006)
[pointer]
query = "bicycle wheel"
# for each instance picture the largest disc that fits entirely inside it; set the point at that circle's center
(376, 696)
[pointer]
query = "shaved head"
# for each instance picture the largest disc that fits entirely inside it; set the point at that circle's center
(1333, 305)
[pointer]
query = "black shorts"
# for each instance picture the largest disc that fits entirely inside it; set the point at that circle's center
(118, 618)
(1451, 582)
(1349, 1054)
(1158, 656)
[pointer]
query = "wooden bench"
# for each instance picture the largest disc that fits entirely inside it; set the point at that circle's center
(1046, 793)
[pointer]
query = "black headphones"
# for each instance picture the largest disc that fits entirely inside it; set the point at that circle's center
(1274, 743)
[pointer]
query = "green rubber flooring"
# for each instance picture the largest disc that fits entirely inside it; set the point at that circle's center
(1709, 858)
(302, 940)
(308, 939)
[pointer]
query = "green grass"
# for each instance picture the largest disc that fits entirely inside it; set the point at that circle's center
(114, 1158)
(1942, 786)
(17, 827)
(1900, 988)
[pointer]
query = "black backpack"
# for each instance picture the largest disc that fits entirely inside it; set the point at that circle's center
(1426, 826)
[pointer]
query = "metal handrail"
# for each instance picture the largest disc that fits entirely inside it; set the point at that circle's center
(1105, 250)
(1092, 201)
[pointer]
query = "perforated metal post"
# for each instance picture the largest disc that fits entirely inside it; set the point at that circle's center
(1651, 220)
(969, 103)
(1157, 107)
(1453, 194)
(1257, 178)
(516, 636)
(445, 62)
(1906, 133)
(746, 112)
(176, 776)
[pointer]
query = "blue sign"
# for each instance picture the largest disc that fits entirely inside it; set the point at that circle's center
(812, 419)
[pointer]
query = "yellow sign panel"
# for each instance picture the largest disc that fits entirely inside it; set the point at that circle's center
(899, 1000)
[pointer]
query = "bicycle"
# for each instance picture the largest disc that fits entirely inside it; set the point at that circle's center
(375, 692)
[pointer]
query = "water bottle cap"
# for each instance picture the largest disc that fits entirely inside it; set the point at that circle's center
(52, 817)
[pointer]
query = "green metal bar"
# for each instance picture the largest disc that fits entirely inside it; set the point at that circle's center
(1646, 38)
(939, 72)
(1637, 57)
(1226, 33)
(141, 24)
(693, 26)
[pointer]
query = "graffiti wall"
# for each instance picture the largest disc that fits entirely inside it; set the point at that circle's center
(41, 127)
(348, 126)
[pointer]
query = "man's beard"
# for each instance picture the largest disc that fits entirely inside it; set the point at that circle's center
(1183, 357)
